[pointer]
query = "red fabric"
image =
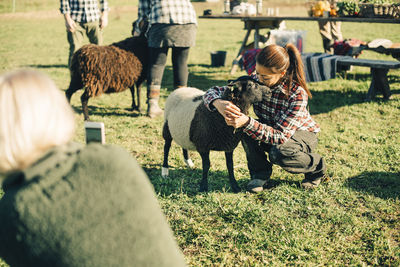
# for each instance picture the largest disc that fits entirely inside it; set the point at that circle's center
(350, 47)
(249, 60)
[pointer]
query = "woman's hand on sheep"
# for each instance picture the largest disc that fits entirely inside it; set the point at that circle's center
(231, 113)
(226, 108)
(238, 122)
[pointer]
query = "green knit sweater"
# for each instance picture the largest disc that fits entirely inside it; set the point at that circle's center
(84, 206)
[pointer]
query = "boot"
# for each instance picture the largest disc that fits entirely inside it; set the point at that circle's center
(153, 110)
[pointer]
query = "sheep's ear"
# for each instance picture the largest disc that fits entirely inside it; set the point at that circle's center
(228, 93)
(230, 82)
(231, 87)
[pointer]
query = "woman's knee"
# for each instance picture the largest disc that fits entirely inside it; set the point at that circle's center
(279, 153)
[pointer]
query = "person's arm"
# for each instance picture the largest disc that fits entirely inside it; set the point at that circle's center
(65, 9)
(144, 10)
(104, 14)
(285, 127)
(104, 19)
(211, 95)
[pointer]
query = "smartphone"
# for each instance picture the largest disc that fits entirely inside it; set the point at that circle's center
(95, 132)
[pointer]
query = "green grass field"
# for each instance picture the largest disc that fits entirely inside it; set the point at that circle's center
(352, 220)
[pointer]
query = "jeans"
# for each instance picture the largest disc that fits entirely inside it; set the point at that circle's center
(296, 155)
(158, 59)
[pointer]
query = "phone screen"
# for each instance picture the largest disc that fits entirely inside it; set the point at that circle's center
(95, 132)
(93, 135)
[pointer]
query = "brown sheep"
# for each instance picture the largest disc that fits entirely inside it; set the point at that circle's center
(109, 69)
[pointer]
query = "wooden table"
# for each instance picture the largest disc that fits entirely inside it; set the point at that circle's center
(272, 22)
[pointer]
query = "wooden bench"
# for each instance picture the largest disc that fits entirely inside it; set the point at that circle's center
(379, 70)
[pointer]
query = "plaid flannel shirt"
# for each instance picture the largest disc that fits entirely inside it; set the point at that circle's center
(278, 117)
(166, 11)
(83, 10)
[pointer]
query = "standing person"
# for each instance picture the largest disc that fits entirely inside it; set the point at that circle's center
(284, 128)
(66, 204)
(330, 31)
(172, 24)
(83, 17)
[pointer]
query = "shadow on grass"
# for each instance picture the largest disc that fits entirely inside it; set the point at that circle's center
(328, 100)
(109, 111)
(381, 184)
(187, 181)
(41, 66)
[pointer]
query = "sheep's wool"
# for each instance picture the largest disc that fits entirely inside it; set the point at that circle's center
(179, 113)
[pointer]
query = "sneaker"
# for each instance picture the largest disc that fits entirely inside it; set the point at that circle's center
(309, 183)
(256, 185)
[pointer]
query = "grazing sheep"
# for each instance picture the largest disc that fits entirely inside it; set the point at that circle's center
(109, 69)
(194, 127)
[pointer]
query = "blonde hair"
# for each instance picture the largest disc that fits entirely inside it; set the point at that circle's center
(34, 117)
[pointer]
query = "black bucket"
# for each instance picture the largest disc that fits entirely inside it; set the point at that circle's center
(218, 58)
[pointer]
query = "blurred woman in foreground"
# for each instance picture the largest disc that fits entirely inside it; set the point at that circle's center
(67, 204)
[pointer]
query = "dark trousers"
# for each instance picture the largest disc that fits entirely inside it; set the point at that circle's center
(158, 59)
(296, 155)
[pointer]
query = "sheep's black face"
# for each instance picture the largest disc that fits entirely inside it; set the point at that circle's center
(144, 24)
(246, 91)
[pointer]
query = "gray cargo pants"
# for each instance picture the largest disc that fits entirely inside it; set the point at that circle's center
(296, 155)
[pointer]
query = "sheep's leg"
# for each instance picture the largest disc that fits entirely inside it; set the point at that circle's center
(134, 106)
(167, 145)
(188, 160)
(74, 86)
(138, 87)
(85, 101)
(229, 164)
(69, 94)
(205, 157)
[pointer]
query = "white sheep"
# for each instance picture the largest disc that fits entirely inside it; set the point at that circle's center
(194, 127)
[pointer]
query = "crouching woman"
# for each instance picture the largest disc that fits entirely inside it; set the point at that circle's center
(66, 204)
(284, 128)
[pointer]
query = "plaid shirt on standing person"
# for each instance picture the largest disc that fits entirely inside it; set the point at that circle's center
(166, 11)
(279, 116)
(83, 10)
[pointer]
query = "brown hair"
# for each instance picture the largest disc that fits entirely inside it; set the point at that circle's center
(280, 59)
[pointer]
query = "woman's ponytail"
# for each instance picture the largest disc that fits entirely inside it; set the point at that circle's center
(295, 71)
